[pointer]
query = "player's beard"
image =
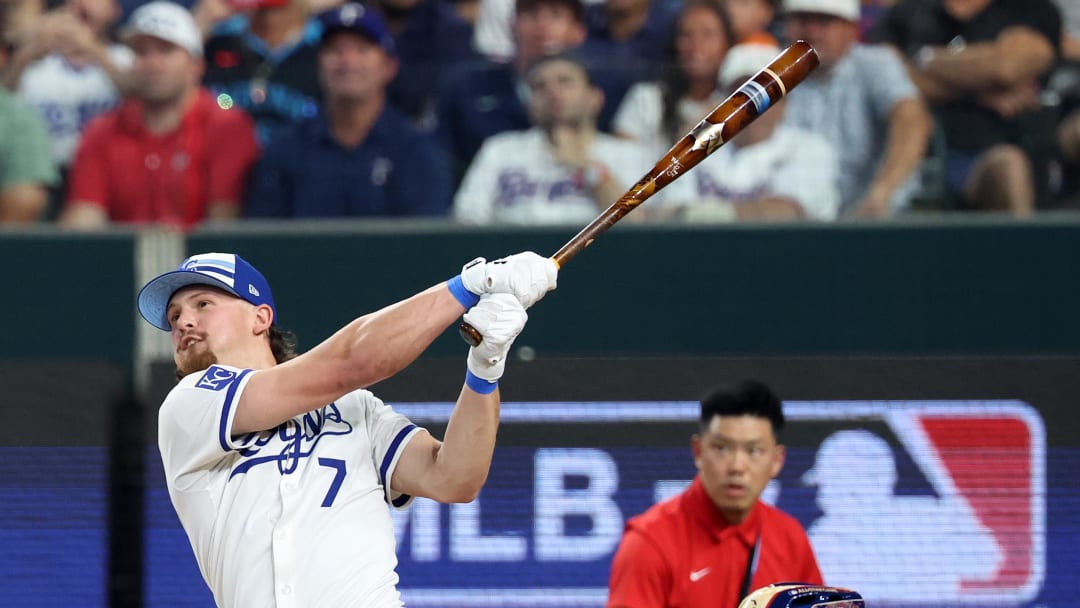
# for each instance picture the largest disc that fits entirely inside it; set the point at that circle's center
(195, 363)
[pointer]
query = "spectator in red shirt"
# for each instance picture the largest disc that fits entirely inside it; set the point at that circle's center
(171, 155)
(713, 543)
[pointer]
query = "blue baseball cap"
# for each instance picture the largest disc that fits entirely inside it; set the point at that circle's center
(226, 271)
(356, 17)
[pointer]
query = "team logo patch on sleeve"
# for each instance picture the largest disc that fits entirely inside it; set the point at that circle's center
(216, 378)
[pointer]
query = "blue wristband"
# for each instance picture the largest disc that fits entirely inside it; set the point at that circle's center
(478, 384)
(464, 297)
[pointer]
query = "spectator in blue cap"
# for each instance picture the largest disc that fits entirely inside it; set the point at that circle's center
(360, 157)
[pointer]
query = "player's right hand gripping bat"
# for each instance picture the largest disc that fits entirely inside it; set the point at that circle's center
(751, 100)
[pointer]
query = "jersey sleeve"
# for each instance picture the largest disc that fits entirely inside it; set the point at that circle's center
(26, 152)
(389, 432)
(890, 83)
(195, 422)
(640, 578)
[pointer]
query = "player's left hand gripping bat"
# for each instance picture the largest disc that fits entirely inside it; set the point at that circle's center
(751, 100)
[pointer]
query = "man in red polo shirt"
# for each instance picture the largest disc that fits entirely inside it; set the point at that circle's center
(715, 542)
(172, 155)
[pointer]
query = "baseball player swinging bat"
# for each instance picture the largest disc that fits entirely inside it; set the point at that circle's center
(751, 100)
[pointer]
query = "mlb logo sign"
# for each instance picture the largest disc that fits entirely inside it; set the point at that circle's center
(915, 504)
(949, 509)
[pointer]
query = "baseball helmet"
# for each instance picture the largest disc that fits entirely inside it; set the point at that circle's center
(802, 595)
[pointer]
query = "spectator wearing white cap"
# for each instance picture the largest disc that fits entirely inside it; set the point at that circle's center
(863, 101)
(171, 154)
(769, 171)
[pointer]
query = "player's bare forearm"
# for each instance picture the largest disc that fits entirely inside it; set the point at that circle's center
(456, 469)
(386, 341)
(465, 457)
(367, 350)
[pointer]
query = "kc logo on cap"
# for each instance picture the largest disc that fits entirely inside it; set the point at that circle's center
(226, 271)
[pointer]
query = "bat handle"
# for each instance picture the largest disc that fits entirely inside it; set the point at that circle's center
(471, 336)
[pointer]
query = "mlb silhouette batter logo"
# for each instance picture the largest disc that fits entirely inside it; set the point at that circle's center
(977, 538)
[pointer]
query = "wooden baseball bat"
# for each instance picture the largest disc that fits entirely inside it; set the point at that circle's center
(751, 100)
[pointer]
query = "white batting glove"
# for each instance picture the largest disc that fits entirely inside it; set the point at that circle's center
(499, 317)
(527, 276)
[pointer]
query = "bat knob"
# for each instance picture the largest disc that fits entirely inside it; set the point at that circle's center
(469, 334)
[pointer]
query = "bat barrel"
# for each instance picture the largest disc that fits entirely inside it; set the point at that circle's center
(752, 99)
(762, 91)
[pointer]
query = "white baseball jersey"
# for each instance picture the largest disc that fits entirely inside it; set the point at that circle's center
(792, 163)
(515, 179)
(68, 96)
(292, 517)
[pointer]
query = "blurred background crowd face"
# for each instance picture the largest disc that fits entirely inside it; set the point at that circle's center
(353, 68)
(701, 41)
(561, 94)
(165, 72)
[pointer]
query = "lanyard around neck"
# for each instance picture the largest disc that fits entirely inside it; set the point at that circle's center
(751, 567)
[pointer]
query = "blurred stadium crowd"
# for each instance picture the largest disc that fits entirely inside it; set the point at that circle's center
(529, 111)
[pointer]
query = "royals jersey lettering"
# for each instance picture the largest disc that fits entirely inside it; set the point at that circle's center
(243, 500)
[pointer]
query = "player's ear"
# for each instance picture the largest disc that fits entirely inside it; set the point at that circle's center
(390, 70)
(264, 318)
(779, 455)
(695, 449)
